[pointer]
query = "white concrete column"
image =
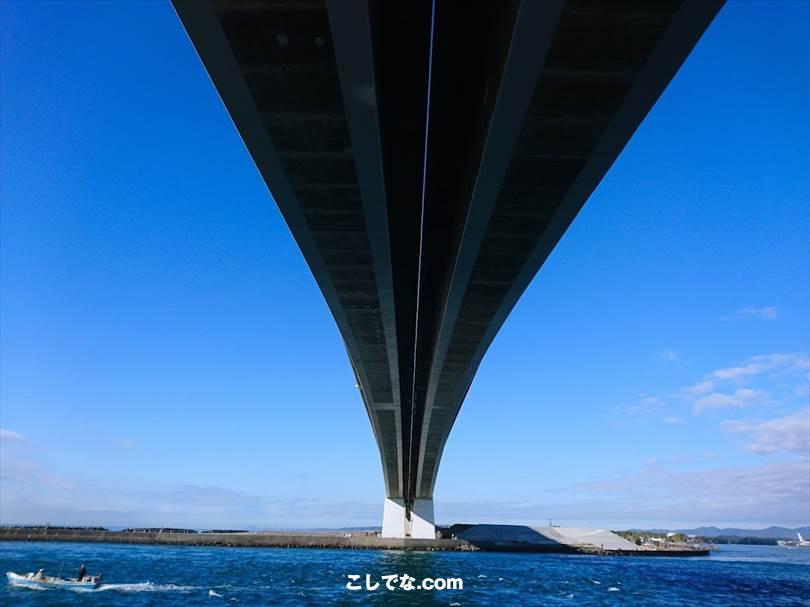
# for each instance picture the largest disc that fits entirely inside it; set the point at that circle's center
(420, 526)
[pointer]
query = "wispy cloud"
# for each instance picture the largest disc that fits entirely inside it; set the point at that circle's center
(730, 387)
(669, 355)
(753, 313)
(786, 363)
(124, 443)
(33, 495)
(20, 474)
(645, 407)
(790, 433)
(10, 435)
(702, 387)
(742, 397)
(658, 495)
(647, 402)
(759, 380)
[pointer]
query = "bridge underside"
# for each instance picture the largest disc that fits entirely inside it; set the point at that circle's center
(427, 158)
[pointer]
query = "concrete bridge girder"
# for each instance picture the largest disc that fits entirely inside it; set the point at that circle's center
(427, 157)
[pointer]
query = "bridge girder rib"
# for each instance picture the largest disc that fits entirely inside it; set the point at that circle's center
(312, 174)
(351, 31)
(478, 318)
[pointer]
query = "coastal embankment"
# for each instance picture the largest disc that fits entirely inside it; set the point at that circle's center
(267, 539)
(485, 537)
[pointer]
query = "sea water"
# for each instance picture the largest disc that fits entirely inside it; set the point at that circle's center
(160, 575)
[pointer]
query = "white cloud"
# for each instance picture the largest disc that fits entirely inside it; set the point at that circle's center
(789, 433)
(727, 387)
(742, 397)
(669, 356)
(714, 400)
(645, 406)
(750, 313)
(702, 387)
(772, 363)
(671, 419)
(10, 435)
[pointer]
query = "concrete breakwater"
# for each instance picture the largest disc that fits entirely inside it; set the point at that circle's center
(506, 538)
(564, 540)
(277, 539)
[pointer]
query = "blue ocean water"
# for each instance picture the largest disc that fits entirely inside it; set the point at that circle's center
(157, 575)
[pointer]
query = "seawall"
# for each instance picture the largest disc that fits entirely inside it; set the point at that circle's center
(303, 539)
(270, 539)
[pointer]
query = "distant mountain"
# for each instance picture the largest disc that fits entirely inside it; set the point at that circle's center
(771, 532)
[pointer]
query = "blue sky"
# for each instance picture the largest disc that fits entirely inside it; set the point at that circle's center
(167, 358)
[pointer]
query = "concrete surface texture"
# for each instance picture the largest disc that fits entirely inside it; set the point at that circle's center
(552, 539)
(396, 522)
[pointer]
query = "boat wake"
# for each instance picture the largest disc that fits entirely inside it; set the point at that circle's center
(138, 587)
(144, 587)
(21, 584)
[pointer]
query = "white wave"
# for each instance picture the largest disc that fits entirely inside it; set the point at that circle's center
(214, 593)
(141, 587)
(24, 585)
(613, 589)
(145, 587)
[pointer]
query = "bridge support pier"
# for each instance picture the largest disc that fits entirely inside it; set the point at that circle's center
(396, 523)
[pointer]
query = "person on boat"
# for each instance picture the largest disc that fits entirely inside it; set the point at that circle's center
(40, 575)
(82, 573)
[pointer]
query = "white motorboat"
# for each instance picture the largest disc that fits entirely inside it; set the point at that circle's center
(41, 581)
